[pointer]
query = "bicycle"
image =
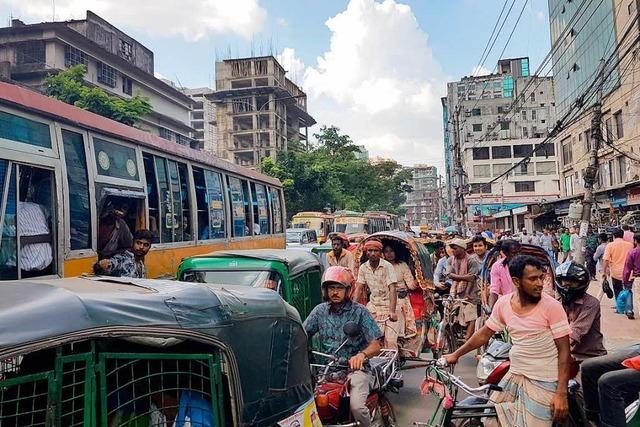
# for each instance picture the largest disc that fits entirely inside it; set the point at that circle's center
(449, 411)
(450, 334)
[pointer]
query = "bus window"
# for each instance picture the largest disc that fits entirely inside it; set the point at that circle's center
(261, 212)
(277, 210)
(252, 228)
(240, 227)
(176, 202)
(210, 204)
(20, 129)
(168, 199)
(184, 200)
(26, 248)
(152, 197)
(115, 160)
(78, 183)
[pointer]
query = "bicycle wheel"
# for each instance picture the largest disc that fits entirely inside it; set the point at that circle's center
(387, 411)
(451, 344)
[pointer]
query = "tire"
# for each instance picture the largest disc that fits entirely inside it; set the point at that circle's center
(577, 416)
(451, 344)
(389, 414)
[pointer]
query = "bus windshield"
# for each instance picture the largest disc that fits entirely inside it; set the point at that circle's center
(350, 228)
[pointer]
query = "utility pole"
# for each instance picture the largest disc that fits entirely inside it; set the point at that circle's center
(459, 181)
(590, 173)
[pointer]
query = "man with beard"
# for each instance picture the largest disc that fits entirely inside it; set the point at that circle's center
(129, 263)
(340, 256)
(534, 391)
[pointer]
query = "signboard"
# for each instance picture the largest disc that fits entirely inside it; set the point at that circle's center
(490, 208)
(633, 196)
(584, 228)
(521, 210)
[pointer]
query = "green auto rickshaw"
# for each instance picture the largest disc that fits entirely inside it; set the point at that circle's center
(294, 273)
(117, 352)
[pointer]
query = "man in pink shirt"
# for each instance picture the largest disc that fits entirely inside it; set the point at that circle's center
(501, 283)
(534, 390)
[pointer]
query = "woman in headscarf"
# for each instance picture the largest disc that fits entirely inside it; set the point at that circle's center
(405, 283)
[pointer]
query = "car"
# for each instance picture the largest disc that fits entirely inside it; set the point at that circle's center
(301, 236)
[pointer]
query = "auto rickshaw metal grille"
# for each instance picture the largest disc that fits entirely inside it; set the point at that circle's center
(27, 400)
(140, 389)
(75, 383)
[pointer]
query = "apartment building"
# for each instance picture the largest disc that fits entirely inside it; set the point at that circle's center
(423, 203)
(494, 133)
(114, 61)
(259, 110)
(203, 118)
(597, 34)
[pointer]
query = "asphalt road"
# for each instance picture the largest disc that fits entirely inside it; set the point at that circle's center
(411, 406)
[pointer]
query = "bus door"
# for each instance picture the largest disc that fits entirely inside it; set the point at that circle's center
(28, 221)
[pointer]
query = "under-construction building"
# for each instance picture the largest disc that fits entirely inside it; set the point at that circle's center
(259, 111)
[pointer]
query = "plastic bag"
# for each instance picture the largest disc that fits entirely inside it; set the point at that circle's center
(621, 302)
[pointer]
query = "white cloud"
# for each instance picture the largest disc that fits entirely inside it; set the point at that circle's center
(294, 67)
(379, 82)
(282, 22)
(479, 70)
(190, 19)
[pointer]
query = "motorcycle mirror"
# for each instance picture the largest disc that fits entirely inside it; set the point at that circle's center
(351, 329)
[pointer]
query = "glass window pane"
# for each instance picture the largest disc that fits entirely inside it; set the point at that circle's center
(184, 200)
(176, 202)
(152, 197)
(277, 211)
(263, 209)
(215, 203)
(115, 160)
(237, 207)
(24, 130)
(78, 182)
(166, 208)
(8, 246)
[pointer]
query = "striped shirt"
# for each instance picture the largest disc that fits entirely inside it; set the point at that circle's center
(534, 353)
(33, 222)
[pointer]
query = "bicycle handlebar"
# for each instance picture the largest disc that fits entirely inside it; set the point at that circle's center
(441, 363)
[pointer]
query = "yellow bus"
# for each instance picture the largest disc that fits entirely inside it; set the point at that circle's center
(321, 222)
(62, 168)
(370, 222)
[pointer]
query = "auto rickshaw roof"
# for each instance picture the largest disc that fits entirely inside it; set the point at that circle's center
(296, 260)
(34, 310)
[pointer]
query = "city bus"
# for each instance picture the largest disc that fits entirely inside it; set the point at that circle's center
(369, 222)
(64, 171)
(321, 222)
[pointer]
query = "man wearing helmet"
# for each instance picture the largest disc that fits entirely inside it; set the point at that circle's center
(328, 320)
(583, 310)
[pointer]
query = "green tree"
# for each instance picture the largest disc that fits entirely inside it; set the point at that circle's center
(329, 174)
(68, 86)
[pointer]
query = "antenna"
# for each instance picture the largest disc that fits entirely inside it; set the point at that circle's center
(53, 3)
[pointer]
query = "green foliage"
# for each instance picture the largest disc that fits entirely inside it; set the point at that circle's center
(68, 86)
(329, 175)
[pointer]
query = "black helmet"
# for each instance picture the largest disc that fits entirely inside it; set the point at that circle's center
(576, 273)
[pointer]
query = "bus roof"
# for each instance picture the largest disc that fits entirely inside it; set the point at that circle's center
(310, 214)
(26, 99)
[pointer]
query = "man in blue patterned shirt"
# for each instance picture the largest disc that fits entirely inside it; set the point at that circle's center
(328, 320)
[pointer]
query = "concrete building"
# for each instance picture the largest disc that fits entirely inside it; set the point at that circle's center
(203, 118)
(493, 137)
(259, 110)
(594, 36)
(362, 153)
(115, 62)
(423, 203)
(448, 193)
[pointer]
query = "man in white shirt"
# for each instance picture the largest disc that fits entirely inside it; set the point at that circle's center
(36, 253)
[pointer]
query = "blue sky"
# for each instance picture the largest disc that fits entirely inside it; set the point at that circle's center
(374, 68)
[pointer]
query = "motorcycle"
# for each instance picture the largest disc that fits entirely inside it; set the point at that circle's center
(332, 386)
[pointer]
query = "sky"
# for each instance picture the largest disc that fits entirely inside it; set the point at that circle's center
(374, 68)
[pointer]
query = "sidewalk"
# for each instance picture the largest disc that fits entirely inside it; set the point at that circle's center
(618, 331)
